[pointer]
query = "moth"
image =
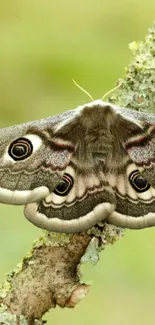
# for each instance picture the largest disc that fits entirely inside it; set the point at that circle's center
(71, 171)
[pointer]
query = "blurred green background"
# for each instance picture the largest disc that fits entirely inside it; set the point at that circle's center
(43, 45)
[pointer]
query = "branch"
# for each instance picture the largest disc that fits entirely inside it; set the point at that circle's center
(49, 275)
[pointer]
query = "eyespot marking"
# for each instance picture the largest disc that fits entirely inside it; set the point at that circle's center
(64, 186)
(20, 149)
(138, 182)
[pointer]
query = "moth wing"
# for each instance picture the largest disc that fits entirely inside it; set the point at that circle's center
(31, 179)
(134, 182)
(89, 201)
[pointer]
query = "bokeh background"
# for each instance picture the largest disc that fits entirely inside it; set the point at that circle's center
(43, 45)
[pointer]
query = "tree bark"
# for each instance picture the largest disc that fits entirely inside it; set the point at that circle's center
(49, 274)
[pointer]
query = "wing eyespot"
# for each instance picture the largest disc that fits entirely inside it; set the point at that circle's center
(65, 185)
(20, 149)
(138, 182)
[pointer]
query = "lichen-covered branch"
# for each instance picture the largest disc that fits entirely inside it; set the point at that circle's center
(49, 275)
(137, 90)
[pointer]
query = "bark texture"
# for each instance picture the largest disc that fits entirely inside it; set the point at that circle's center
(49, 275)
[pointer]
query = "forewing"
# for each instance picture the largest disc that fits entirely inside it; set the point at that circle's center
(32, 178)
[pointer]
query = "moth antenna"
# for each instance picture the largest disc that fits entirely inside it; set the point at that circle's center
(82, 89)
(113, 89)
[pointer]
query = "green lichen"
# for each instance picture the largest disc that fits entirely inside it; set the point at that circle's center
(54, 239)
(6, 285)
(4, 289)
(102, 235)
(91, 252)
(9, 319)
(138, 89)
